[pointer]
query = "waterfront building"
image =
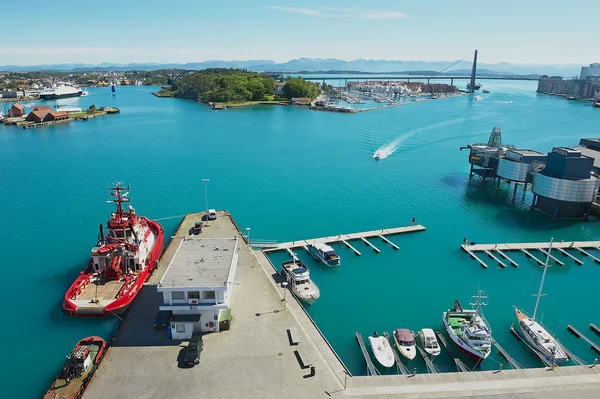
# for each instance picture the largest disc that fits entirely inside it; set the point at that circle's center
(572, 89)
(300, 101)
(593, 71)
(16, 111)
(197, 285)
(484, 157)
(565, 187)
(518, 166)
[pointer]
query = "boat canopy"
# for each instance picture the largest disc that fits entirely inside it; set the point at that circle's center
(403, 335)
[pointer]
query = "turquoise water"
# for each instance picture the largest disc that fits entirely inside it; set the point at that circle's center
(290, 173)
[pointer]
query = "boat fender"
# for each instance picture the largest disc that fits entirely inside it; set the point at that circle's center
(211, 324)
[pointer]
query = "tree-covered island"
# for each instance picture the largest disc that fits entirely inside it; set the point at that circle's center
(238, 87)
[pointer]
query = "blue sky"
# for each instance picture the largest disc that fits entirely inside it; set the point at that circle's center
(525, 31)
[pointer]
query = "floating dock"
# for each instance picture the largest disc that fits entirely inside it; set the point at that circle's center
(371, 370)
(504, 354)
(399, 365)
(526, 247)
(595, 329)
(345, 238)
(460, 365)
(593, 345)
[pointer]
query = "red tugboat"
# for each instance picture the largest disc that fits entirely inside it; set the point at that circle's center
(121, 262)
(78, 370)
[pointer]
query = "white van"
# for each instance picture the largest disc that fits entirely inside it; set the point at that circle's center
(212, 214)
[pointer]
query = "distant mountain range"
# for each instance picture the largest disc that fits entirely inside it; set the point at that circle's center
(324, 65)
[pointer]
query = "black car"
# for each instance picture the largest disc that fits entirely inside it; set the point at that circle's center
(162, 319)
(192, 352)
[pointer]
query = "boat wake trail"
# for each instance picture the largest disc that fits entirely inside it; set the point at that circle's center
(391, 146)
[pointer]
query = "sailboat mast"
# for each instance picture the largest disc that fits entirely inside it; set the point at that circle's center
(537, 301)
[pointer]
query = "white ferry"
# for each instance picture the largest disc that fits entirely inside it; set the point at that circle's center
(61, 90)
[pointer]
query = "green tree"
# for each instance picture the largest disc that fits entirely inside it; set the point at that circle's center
(298, 87)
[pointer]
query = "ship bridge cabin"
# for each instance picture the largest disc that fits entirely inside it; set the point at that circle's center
(196, 287)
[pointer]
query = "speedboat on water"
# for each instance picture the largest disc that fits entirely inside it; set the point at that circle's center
(405, 342)
(297, 276)
(486, 91)
(378, 155)
(324, 253)
(429, 341)
(477, 98)
(468, 329)
(382, 350)
(120, 264)
(537, 336)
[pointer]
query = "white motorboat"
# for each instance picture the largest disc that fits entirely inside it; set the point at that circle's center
(486, 91)
(429, 341)
(324, 253)
(382, 350)
(405, 342)
(298, 278)
(477, 98)
(377, 155)
(537, 336)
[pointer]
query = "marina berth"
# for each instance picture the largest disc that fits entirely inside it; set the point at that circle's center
(382, 350)
(120, 264)
(297, 275)
(324, 253)
(468, 329)
(405, 342)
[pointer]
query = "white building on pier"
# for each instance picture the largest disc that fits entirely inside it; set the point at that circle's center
(197, 285)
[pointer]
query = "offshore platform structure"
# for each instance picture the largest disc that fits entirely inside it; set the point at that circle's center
(484, 157)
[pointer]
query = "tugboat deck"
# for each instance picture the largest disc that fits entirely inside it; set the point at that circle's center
(108, 290)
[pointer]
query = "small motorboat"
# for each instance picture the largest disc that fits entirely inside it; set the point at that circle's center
(324, 253)
(382, 350)
(405, 342)
(297, 276)
(429, 341)
(79, 368)
(477, 98)
(377, 155)
(486, 91)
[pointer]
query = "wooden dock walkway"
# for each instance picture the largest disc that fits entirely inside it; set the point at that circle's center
(345, 238)
(593, 345)
(526, 247)
(595, 329)
(504, 354)
(401, 367)
(370, 366)
(460, 365)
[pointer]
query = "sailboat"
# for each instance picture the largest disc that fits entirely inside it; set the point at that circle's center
(537, 336)
(112, 89)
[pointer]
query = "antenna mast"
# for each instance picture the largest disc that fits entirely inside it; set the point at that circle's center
(539, 294)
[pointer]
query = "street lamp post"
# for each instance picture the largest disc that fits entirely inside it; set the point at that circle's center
(248, 236)
(206, 199)
(284, 285)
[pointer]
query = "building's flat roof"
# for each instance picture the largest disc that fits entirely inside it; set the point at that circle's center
(526, 152)
(588, 152)
(200, 262)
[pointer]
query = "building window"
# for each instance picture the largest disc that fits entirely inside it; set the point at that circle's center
(208, 295)
(178, 295)
(194, 295)
(180, 328)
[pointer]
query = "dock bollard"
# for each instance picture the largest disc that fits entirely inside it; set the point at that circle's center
(312, 371)
(595, 362)
(415, 371)
(500, 369)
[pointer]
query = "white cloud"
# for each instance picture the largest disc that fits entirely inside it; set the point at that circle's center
(293, 10)
(341, 12)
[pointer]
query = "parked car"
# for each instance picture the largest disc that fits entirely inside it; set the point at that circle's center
(212, 214)
(192, 352)
(162, 319)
